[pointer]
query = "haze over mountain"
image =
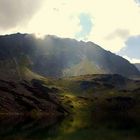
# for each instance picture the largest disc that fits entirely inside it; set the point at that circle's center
(137, 66)
(58, 57)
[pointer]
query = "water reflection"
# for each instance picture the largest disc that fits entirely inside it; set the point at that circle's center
(77, 127)
(27, 128)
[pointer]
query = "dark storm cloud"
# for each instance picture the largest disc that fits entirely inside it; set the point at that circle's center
(14, 12)
(122, 33)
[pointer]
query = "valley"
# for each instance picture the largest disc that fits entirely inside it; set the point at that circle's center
(63, 89)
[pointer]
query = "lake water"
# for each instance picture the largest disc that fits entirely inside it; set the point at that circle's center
(77, 127)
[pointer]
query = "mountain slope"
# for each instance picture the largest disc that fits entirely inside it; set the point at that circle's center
(57, 57)
(64, 95)
(29, 98)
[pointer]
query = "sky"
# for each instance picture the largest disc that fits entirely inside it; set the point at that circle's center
(112, 24)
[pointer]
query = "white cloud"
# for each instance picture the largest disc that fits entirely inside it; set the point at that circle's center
(115, 15)
(132, 60)
(61, 17)
(53, 18)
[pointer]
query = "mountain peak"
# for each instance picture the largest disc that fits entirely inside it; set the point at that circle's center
(54, 56)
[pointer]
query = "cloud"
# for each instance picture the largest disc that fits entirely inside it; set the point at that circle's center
(112, 16)
(86, 26)
(137, 1)
(122, 33)
(132, 60)
(114, 20)
(15, 13)
(132, 47)
(56, 18)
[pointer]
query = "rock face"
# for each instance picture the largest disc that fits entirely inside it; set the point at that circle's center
(24, 97)
(57, 57)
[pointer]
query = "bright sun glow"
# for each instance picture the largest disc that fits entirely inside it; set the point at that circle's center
(112, 21)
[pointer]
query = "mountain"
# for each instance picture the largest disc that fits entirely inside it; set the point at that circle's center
(43, 80)
(57, 57)
(137, 66)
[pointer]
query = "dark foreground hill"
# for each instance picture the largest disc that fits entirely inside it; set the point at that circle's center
(63, 96)
(29, 98)
(100, 107)
(58, 57)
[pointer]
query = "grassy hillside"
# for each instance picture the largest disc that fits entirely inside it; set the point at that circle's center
(92, 106)
(72, 93)
(100, 107)
(103, 93)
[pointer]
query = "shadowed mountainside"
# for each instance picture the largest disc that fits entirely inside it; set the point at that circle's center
(58, 57)
(29, 98)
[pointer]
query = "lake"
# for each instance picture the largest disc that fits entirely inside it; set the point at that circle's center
(76, 127)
